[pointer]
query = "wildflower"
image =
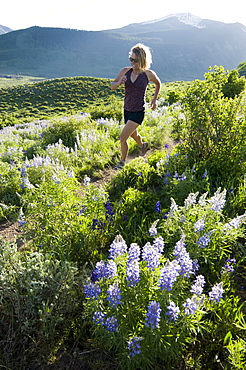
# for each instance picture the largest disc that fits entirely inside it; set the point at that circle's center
(183, 258)
(134, 346)
(179, 247)
(100, 270)
(228, 267)
(159, 244)
(235, 222)
(110, 269)
(173, 208)
(92, 290)
(99, 317)
(169, 274)
(134, 252)
(151, 255)
(97, 225)
(182, 177)
(111, 324)
(199, 225)
(216, 293)
(132, 272)
(158, 207)
(21, 222)
(203, 241)
(109, 211)
(198, 285)
(153, 229)
(190, 305)
(114, 295)
(202, 199)
(191, 199)
(87, 180)
(81, 211)
(218, 200)
(153, 315)
(205, 174)
(172, 311)
(186, 264)
(118, 247)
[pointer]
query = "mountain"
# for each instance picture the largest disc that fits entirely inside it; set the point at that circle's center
(4, 29)
(183, 47)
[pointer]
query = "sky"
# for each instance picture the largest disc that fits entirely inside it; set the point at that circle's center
(97, 15)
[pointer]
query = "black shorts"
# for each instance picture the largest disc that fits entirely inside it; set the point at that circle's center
(137, 117)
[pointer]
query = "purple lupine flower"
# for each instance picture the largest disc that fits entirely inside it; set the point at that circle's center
(153, 315)
(153, 229)
(216, 293)
(159, 244)
(97, 225)
(228, 267)
(99, 317)
(114, 295)
(183, 258)
(199, 225)
(132, 272)
(198, 285)
(173, 208)
(134, 252)
(235, 222)
(172, 311)
(109, 211)
(218, 200)
(191, 199)
(118, 247)
(190, 305)
(186, 264)
(100, 270)
(158, 207)
(111, 324)
(104, 270)
(196, 266)
(110, 269)
(92, 290)
(151, 256)
(169, 274)
(203, 241)
(81, 211)
(134, 346)
(179, 247)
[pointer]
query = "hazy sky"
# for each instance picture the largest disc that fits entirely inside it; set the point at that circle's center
(106, 14)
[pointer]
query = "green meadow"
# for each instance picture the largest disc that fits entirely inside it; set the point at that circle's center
(142, 268)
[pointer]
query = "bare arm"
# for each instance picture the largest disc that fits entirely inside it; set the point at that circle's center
(152, 76)
(120, 79)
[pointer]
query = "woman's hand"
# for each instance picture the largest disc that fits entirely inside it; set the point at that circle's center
(153, 104)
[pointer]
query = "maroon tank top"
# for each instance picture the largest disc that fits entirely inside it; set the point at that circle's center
(135, 92)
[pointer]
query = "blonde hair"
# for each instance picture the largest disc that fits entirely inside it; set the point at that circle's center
(143, 55)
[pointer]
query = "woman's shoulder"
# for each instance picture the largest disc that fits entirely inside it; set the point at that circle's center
(152, 76)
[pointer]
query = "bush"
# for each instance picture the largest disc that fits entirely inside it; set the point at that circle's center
(40, 303)
(214, 130)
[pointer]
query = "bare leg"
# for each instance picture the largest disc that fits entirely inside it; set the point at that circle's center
(129, 129)
(135, 135)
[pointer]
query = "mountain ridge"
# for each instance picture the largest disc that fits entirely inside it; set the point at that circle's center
(183, 48)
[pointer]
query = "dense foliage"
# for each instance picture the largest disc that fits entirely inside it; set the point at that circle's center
(146, 270)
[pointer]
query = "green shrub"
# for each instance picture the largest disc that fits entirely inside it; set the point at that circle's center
(214, 131)
(40, 303)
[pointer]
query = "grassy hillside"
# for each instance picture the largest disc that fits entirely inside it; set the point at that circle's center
(63, 96)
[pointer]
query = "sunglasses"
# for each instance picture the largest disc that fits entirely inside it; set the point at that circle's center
(133, 60)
